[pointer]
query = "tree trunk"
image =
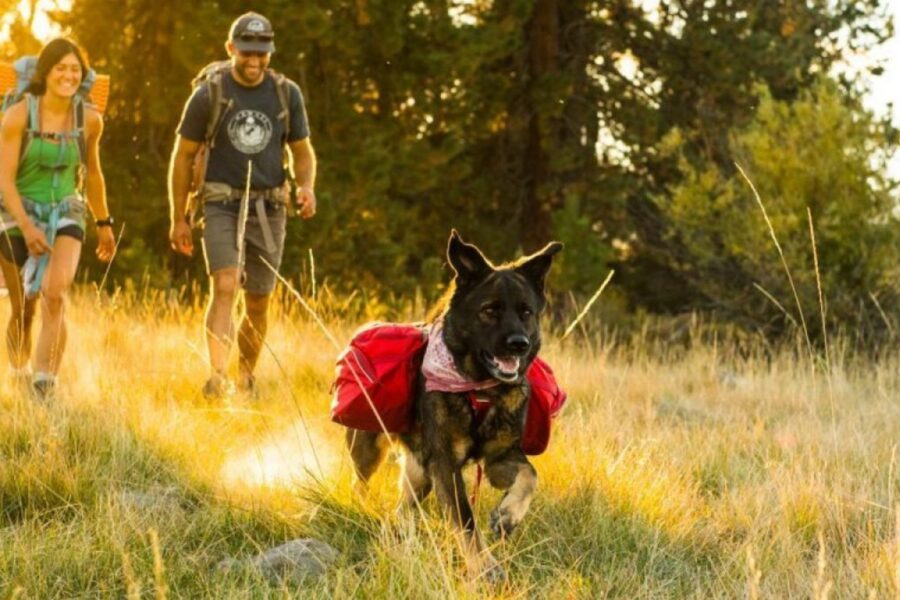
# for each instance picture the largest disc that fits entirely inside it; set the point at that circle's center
(538, 189)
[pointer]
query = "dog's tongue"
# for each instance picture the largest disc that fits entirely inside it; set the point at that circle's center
(507, 364)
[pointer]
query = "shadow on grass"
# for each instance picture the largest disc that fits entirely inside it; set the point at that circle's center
(574, 545)
(57, 463)
(577, 543)
(63, 471)
(89, 509)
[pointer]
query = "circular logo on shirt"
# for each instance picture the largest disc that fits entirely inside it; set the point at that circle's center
(250, 131)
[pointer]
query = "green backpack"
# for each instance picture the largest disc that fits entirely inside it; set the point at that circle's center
(24, 69)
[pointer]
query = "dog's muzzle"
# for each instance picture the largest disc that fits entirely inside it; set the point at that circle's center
(502, 368)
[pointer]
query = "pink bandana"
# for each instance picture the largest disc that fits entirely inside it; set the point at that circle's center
(441, 374)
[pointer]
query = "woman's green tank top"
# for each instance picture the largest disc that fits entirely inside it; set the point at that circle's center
(44, 159)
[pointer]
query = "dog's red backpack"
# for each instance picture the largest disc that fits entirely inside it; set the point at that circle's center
(545, 402)
(378, 370)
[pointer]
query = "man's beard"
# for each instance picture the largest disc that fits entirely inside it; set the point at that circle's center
(242, 72)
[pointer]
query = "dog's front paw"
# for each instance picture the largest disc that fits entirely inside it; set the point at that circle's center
(503, 523)
(495, 575)
(492, 572)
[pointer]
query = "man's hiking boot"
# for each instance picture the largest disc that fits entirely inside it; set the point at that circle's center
(43, 390)
(217, 387)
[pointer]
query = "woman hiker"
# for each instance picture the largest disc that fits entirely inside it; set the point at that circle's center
(49, 147)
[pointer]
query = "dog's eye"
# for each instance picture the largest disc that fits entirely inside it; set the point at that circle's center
(490, 311)
(525, 312)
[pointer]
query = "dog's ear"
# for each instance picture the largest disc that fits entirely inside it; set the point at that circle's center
(467, 261)
(534, 268)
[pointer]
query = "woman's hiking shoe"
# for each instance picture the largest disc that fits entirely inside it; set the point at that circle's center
(247, 386)
(20, 378)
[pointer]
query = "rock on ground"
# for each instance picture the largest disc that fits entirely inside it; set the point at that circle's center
(292, 561)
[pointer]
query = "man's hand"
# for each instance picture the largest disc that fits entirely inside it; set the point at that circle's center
(35, 240)
(181, 238)
(306, 201)
(106, 244)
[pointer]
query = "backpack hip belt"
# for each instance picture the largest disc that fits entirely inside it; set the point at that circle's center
(71, 207)
(74, 211)
(222, 192)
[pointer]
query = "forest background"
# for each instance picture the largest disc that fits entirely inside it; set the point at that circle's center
(731, 467)
(613, 126)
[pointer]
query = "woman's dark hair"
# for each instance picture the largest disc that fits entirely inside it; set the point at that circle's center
(53, 52)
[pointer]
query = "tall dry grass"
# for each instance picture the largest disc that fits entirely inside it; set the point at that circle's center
(698, 472)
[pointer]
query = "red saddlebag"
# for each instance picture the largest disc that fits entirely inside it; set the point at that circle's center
(379, 369)
(546, 400)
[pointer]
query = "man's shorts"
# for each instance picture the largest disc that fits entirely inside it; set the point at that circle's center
(220, 242)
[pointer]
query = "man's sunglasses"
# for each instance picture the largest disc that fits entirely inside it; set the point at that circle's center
(256, 37)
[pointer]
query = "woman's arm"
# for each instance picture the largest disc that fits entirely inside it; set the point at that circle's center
(96, 185)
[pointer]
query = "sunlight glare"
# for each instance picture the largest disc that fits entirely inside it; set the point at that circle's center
(286, 460)
(42, 27)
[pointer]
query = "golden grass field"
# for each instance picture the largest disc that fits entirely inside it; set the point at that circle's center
(672, 473)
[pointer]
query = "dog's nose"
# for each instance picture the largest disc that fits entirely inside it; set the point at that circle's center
(518, 343)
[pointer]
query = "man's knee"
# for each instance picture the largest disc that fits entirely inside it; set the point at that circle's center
(225, 284)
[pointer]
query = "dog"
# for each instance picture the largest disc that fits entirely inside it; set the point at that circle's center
(488, 328)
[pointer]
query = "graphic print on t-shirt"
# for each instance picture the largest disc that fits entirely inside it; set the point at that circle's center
(250, 131)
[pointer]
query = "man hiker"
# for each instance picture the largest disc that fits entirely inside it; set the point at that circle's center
(229, 156)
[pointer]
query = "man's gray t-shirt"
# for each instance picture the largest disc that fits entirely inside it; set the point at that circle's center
(250, 130)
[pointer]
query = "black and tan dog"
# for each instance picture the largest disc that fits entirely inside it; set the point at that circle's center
(490, 325)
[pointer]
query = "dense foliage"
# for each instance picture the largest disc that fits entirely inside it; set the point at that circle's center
(812, 164)
(518, 121)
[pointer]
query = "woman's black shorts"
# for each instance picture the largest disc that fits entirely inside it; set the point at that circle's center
(14, 250)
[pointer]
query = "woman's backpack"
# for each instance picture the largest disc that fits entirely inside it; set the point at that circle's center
(14, 81)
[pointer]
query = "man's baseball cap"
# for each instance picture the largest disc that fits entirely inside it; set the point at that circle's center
(252, 32)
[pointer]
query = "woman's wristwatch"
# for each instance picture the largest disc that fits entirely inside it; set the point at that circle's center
(107, 222)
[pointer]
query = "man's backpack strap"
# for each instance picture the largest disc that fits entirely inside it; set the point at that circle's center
(219, 106)
(283, 89)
